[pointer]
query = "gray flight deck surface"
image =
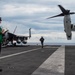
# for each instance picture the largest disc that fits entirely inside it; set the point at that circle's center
(33, 60)
(70, 60)
(25, 63)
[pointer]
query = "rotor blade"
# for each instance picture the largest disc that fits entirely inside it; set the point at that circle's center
(56, 16)
(62, 9)
(72, 12)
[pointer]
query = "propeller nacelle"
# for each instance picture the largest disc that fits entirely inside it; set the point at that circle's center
(64, 12)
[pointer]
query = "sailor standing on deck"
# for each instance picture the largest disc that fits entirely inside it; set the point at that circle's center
(42, 41)
(1, 37)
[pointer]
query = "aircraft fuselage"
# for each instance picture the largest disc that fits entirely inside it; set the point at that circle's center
(67, 26)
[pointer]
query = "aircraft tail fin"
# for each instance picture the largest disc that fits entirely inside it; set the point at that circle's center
(14, 29)
(29, 32)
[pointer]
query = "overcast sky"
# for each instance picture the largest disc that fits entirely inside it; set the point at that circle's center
(32, 14)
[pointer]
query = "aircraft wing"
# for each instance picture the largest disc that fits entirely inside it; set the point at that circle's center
(12, 37)
(21, 37)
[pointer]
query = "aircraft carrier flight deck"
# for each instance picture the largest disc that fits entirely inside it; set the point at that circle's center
(34, 60)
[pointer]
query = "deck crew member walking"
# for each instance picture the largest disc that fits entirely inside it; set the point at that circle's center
(42, 41)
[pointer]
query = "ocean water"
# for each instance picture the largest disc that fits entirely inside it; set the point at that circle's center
(51, 43)
(38, 43)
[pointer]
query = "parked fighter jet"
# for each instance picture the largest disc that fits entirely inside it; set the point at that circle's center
(10, 37)
(68, 27)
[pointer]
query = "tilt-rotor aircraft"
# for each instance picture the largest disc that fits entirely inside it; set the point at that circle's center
(68, 27)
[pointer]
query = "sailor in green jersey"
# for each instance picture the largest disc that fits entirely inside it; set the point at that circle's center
(0, 35)
(1, 38)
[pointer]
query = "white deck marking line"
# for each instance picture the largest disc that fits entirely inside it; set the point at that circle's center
(19, 53)
(54, 65)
